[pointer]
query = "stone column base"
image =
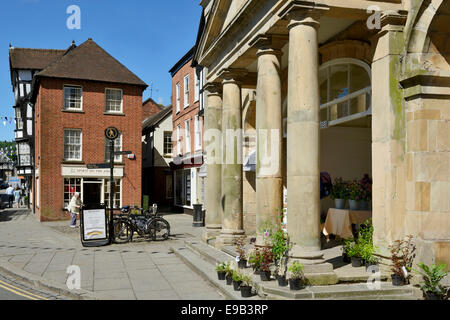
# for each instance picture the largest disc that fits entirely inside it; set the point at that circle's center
(317, 271)
(228, 238)
(210, 234)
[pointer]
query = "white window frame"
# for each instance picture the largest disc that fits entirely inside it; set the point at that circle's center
(198, 133)
(106, 100)
(81, 145)
(178, 96)
(117, 158)
(197, 87)
(64, 97)
(167, 134)
(187, 134)
(178, 140)
(186, 90)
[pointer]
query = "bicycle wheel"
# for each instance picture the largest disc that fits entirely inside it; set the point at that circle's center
(122, 231)
(159, 229)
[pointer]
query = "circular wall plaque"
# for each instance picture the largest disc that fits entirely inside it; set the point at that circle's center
(111, 133)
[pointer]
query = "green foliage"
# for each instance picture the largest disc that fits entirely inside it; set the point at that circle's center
(267, 259)
(246, 280)
(228, 269)
(256, 258)
(280, 244)
(296, 270)
(348, 244)
(340, 189)
(220, 267)
(240, 244)
(432, 276)
(236, 276)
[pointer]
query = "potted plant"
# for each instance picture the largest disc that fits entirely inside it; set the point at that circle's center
(432, 276)
(228, 273)
(281, 272)
(237, 280)
(339, 193)
(354, 252)
(348, 243)
(267, 260)
(402, 256)
(366, 192)
(240, 249)
(220, 268)
(355, 191)
(255, 259)
(246, 286)
(296, 275)
(367, 255)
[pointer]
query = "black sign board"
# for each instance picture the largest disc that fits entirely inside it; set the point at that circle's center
(123, 152)
(94, 226)
(99, 166)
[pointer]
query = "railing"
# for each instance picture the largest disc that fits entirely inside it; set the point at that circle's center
(348, 108)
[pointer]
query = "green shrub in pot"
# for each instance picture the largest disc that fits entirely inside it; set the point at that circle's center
(432, 276)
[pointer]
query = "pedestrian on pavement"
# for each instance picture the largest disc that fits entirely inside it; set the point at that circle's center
(17, 196)
(10, 193)
(74, 209)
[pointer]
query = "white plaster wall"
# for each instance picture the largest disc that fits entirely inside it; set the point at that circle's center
(165, 125)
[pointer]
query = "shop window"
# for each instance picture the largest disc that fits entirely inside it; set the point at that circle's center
(71, 186)
(117, 193)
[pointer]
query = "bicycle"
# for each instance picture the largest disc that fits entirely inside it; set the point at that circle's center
(148, 224)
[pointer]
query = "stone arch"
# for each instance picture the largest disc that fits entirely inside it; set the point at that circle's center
(419, 35)
(355, 49)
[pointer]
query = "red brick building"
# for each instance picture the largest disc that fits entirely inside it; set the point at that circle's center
(75, 99)
(187, 133)
(151, 108)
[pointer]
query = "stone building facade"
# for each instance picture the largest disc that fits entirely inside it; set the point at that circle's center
(350, 91)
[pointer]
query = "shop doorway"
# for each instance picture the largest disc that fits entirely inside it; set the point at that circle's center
(92, 192)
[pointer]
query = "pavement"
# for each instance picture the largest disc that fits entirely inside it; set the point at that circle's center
(41, 253)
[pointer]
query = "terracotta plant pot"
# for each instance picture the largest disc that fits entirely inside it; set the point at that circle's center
(356, 262)
(265, 275)
(398, 280)
(295, 284)
(236, 285)
(221, 275)
(246, 291)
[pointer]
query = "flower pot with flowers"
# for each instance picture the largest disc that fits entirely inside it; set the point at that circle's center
(339, 193)
(296, 279)
(402, 257)
(280, 249)
(355, 191)
(366, 192)
(255, 259)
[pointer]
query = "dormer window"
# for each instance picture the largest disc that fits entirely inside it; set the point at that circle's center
(73, 98)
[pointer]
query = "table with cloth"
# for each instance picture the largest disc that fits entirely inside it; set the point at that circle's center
(339, 222)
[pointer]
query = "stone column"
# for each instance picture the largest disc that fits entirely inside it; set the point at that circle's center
(232, 218)
(213, 148)
(303, 145)
(269, 130)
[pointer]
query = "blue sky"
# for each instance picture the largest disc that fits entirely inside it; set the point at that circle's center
(147, 36)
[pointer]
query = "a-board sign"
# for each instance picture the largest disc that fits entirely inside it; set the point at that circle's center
(94, 226)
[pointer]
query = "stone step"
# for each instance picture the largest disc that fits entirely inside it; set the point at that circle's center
(207, 271)
(339, 291)
(203, 258)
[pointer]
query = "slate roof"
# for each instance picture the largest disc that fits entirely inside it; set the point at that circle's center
(154, 120)
(89, 61)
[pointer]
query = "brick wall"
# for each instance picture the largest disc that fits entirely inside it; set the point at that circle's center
(185, 113)
(51, 121)
(150, 108)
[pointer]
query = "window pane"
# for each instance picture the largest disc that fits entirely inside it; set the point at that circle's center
(338, 81)
(359, 79)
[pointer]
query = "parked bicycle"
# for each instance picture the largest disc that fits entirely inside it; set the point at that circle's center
(146, 223)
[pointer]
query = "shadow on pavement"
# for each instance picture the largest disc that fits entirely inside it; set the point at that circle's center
(10, 214)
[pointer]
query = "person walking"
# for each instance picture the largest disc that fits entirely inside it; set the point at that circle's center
(74, 209)
(17, 196)
(10, 193)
